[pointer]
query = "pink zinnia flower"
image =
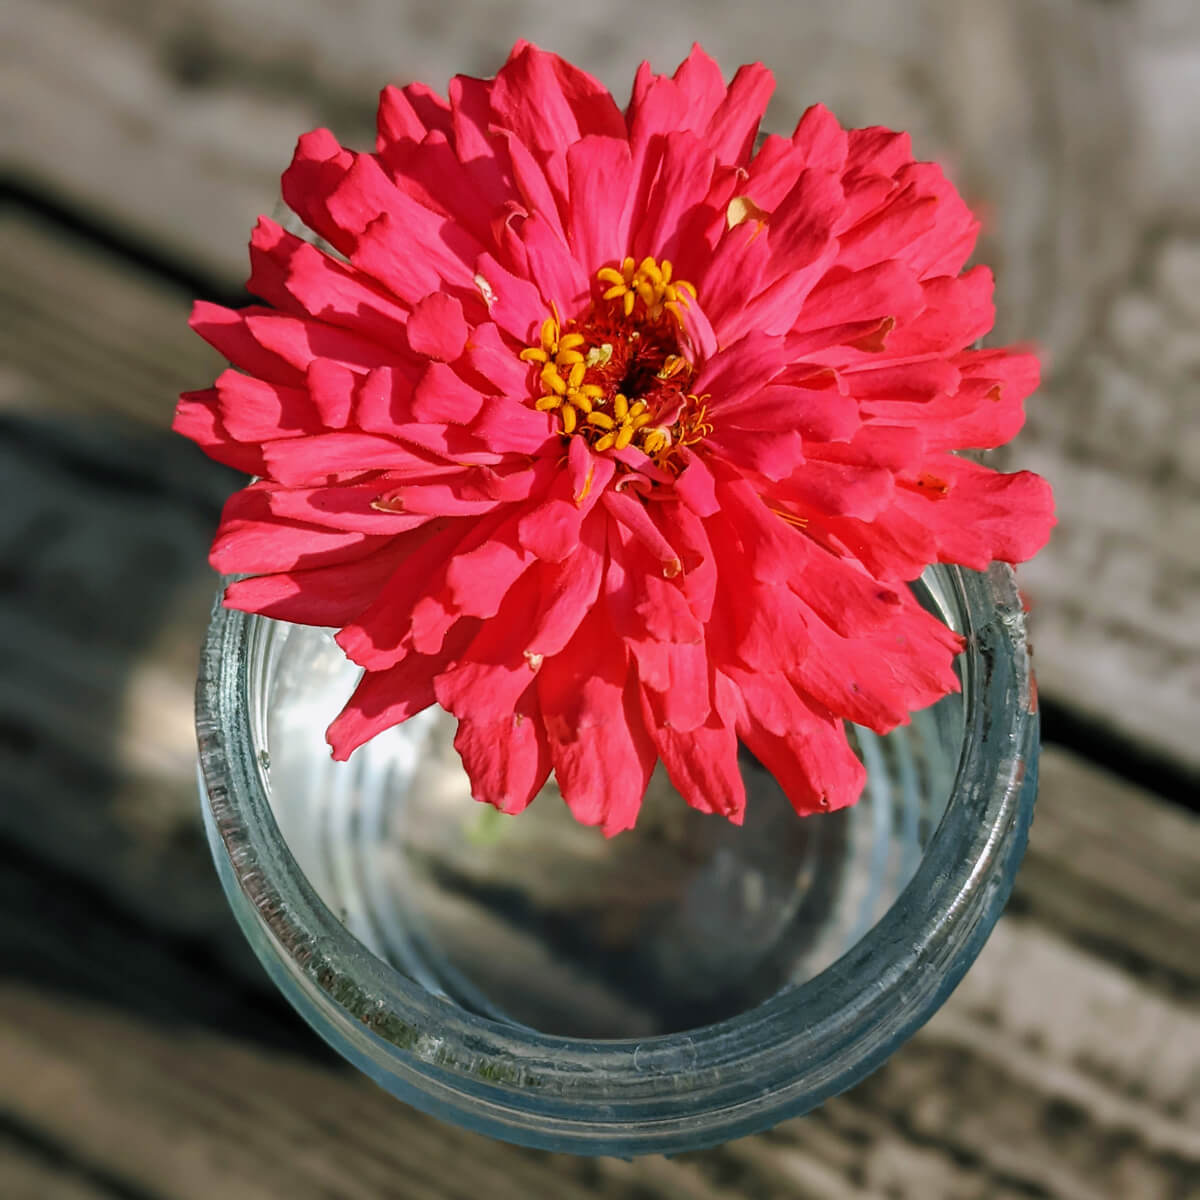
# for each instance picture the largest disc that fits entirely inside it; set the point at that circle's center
(615, 437)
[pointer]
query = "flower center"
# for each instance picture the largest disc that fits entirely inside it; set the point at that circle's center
(617, 377)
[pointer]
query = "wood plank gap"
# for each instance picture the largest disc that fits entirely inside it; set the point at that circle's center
(38, 199)
(39, 1145)
(1113, 751)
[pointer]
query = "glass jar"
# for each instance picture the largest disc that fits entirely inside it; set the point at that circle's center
(683, 984)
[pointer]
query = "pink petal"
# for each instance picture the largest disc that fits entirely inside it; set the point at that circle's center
(984, 515)
(298, 340)
(196, 418)
(376, 639)
(342, 506)
(317, 168)
(696, 487)
(551, 529)
(397, 119)
(533, 187)
(673, 216)
(254, 411)
(507, 759)
(568, 591)
(698, 579)
(955, 313)
(733, 127)
(702, 763)
(840, 489)
(817, 414)
(843, 673)
(878, 149)
(770, 453)
(675, 676)
(436, 328)
(297, 277)
(820, 139)
(600, 172)
(701, 88)
(549, 104)
(558, 276)
(443, 397)
(599, 745)
(477, 580)
(252, 540)
(326, 596)
(741, 370)
(309, 460)
(384, 250)
(812, 762)
(228, 332)
(383, 699)
(887, 289)
(492, 674)
(513, 303)
(632, 515)
(493, 358)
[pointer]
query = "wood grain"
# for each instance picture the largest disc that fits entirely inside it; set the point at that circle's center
(1063, 121)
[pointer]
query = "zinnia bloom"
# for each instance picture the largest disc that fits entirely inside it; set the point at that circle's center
(614, 436)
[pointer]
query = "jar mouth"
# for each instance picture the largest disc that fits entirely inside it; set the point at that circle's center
(663, 1093)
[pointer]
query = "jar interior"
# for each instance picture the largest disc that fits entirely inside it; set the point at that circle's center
(538, 921)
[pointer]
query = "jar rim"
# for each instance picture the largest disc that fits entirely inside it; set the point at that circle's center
(663, 1093)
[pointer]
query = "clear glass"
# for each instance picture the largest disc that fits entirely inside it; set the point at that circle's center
(674, 987)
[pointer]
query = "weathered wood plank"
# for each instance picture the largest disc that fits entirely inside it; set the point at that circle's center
(29, 1176)
(1049, 1073)
(1062, 120)
(1115, 871)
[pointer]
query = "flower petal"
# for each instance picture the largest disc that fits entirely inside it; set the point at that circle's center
(507, 759)
(437, 329)
(601, 750)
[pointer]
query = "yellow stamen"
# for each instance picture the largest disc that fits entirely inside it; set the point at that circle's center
(790, 518)
(548, 403)
(624, 436)
(568, 418)
(552, 379)
(571, 341)
(656, 441)
(606, 442)
(620, 406)
(575, 378)
(587, 484)
(533, 354)
(601, 420)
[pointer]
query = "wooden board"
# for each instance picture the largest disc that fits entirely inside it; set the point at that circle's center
(1064, 122)
(1052, 1071)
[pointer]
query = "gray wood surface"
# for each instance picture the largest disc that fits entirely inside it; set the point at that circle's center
(142, 1052)
(1071, 123)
